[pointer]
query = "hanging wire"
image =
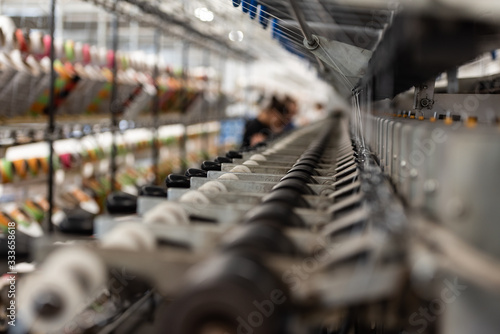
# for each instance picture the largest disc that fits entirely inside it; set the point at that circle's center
(346, 82)
(360, 119)
(296, 44)
(296, 39)
(228, 5)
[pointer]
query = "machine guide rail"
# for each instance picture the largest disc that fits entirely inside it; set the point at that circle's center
(318, 250)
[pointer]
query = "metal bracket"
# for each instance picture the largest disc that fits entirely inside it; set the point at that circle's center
(424, 96)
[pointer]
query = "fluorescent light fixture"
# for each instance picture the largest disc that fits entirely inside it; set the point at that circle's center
(236, 35)
(204, 14)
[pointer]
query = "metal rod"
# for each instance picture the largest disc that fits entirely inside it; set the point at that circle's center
(185, 73)
(51, 124)
(304, 27)
(220, 113)
(114, 103)
(207, 106)
(156, 108)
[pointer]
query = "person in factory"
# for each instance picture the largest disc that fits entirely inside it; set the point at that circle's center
(271, 120)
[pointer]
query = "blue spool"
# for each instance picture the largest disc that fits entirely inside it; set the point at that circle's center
(236, 3)
(274, 28)
(263, 16)
(245, 5)
(253, 8)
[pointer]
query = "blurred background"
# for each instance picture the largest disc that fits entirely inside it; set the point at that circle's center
(249, 166)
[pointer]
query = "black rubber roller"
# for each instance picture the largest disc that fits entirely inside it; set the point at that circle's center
(223, 160)
(286, 196)
(277, 213)
(318, 148)
(261, 237)
(298, 175)
(153, 191)
(294, 184)
(303, 169)
(306, 162)
(121, 203)
(234, 155)
(210, 165)
(195, 172)
(177, 181)
(311, 156)
(230, 293)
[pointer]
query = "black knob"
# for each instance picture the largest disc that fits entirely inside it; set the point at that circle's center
(121, 203)
(234, 155)
(223, 160)
(177, 181)
(195, 172)
(78, 221)
(153, 191)
(210, 165)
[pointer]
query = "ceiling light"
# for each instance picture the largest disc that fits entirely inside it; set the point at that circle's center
(236, 35)
(204, 14)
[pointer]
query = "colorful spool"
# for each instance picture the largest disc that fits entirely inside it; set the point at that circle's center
(20, 217)
(275, 29)
(7, 171)
(40, 106)
(33, 210)
(69, 50)
(44, 164)
(80, 195)
(110, 59)
(20, 168)
(21, 41)
(66, 160)
(245, 6)
(253, 9)
(263, 16)
(43, 203)
(86, 54)
(102, 95)
(46, 44)
(4, 223)
(24, 224)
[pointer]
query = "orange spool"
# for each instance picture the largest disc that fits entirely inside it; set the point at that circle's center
(7, 171)
(44, 165)
(33, 166)
(20, 168)
(21, 41)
